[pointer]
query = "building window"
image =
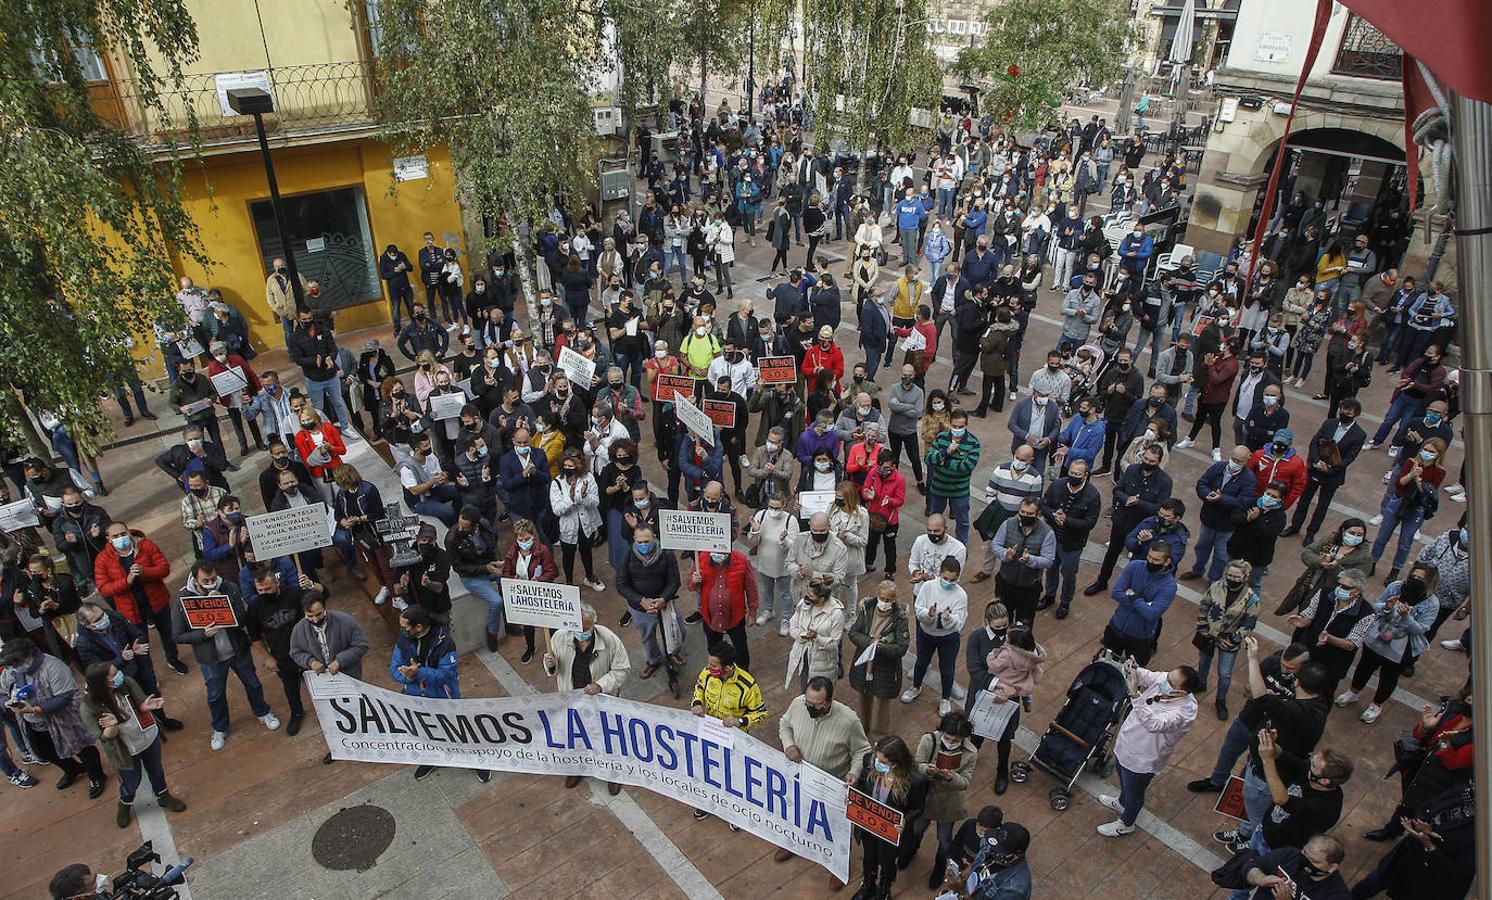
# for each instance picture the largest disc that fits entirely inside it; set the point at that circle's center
(980, 29)
(333, 244)
(1366, 53)
(958, 26)
(89, 63)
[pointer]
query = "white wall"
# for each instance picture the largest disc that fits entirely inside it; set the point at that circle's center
(1276, 24)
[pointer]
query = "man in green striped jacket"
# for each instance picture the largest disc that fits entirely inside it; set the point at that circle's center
(951, 459)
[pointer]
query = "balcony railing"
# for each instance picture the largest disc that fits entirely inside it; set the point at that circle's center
(320, 98)
(1365, 52)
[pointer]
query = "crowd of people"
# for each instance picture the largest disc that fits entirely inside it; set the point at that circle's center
(538, 468)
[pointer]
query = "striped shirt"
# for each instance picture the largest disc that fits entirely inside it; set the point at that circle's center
(1359, 632)
(1009, 488)
(1056, 384)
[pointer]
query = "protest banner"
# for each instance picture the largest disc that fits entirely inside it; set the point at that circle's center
(680, 529)
(229, 382)
(1201, 325)
(446, 406)
(209, 609)
(721, 412)
(288, 531)
(656, 748)
(544, 604)
(1230, 801)
(18, 515)
(874, 816)
(581, 371)
(694, 420)
(776, 370)
(810, 502)
(668, 385)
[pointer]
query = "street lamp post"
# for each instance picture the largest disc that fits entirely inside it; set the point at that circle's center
(256, 102)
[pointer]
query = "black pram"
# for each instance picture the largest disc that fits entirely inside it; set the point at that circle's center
(1084, 729)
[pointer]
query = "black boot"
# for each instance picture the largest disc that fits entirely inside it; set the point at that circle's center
(939, 873)
(867, 890)
(1002, 766)
(885, 891)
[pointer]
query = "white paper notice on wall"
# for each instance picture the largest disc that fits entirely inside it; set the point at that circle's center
(228, 81)
(315, 245)
(411, 168)
(1274, 46)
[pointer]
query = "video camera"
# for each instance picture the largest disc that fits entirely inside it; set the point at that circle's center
(138, 882)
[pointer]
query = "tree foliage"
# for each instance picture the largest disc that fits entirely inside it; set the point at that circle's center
(88, 219)
(868, 64)
(1037, 49)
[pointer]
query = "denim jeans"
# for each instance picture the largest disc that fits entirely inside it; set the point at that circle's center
(947, 647)
(326, 395)
(147, 764)
(1235, 744)
(958, 507)
(934, 269)
(342, 539)
(215, 676)
(1178, 319)
(1213, 543)
(1401, 410)
(482, 587)
(945, 203)
(439, 503)
(1191, 400)
(777, 596)
(1256, 801)
(1132, 786)
(1067, 569)
(908, 245)
(616, 545)
(1407, 524)
(631, 368)
(647, 628)
(1225, 660)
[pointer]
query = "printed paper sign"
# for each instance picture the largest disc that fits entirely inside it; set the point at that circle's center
(695, 420)
(212, 609)
(543, 604)
(777, 370)
(1230, 801)
(18, 515)
(198, 406)
(874, 816)
(229, 382)
(288, 531)
(680, 529)
(396, 529)
(989, 717)
(721, 412)
(713, 730)
(668, 385)
(810, 502)
(581, 371)
(446, 406)
(189, 348)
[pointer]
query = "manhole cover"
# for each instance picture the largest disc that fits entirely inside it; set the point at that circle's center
(353, 838)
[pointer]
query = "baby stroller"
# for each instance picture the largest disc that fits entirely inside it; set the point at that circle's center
(1083, 732)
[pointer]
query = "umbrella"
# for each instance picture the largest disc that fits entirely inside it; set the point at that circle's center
(1186, 27)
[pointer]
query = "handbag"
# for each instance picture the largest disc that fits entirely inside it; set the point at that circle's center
(878, 522)
(1204, 641)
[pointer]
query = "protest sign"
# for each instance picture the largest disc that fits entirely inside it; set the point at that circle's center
(210, 609)
(776, 370)
(668, 385)
(18, 515)
(721, 412)
(288, 531)
(989, 717)
(189, 348)
(581, 371)
(680, 529)
(1230, 801)
(229, 382)
(694, 420)
(191, 409)
(810, 502)
(874, 816)
(544, 604)
(446, 406)
(656, 748)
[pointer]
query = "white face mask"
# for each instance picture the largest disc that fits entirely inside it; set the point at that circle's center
(884, 605)
(699, 332)
(1149, 434)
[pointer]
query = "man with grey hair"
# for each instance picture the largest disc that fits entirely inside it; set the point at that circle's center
(591, 659)
(819, 552)
(194, 454)
(852, 422)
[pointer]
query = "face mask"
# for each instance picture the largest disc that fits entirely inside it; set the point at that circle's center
(199, 492)
(716, 671)
(1270, 400)
(718, 558)
(291, 491)
(525, 451)
(1165, 524)
(958, 432)
(1342, 593)
(819, 538)
(1309, 870)
(1234, 468)
(526, 545)
(699, 332)
(1432, 418)
(1149, 466)
(1027, 521)
(1460, 534)
(583, 636)
(1019, 465)
(1428, 455)
(1039, 402)
(220, 357)
(194, 444)
(118, 680)
(1255, 370)
(1155, 567)
(882, 767)
(1279, 449)
(1346, 419)
(823, 466)
(946, 584)
(124, 543)
(884, 605)
(1268, 502)
(1352, 540)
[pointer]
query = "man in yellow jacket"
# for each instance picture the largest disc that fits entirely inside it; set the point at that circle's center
(728, 693)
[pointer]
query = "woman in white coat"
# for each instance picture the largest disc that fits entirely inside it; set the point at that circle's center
(851, 522)
(816, 628)
(720, 238)
(576, 502)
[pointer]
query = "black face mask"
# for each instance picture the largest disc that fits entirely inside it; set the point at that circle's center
(1346, 419)
(815, 712)
(1309, 870)
(1155, 567)
(819, 538)
(1027, 521)
(280, 462)
(1149, 467)
(935, 538)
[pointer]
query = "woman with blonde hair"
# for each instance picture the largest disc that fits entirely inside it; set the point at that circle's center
(816, 626)
(425, 368)
(358, 508)
(1227, 614)
(881, 621)
(889, 774)
(1157, 434)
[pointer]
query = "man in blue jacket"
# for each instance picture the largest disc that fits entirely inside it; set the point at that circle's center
(525, 476)
(701, 462)
(909, 215)
(1138, 493)
(875, 331)
(1165, 527)
(1223, 488)
(424, 664)
(1144, 591)
(1083, 436)
(1135, 250)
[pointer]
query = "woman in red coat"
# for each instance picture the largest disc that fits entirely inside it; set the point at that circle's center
(132, 571)
(727, 599)
(884, 492)
(320, 445)
(530, 560)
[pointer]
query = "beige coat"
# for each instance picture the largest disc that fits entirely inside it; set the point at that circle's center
(819, 654)
(945, 798)
(609, 666)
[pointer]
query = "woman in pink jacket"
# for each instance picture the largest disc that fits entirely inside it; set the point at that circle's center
(1162, 710)
(883, 491)
(1014, 669)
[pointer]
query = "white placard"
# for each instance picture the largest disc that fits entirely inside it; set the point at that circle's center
(189, 348)
(465, 385)
(869, 654)
(315, 245)
(545, 604)
(810, 502)
(1273, 46)
(673, 635)
(580, 370)
(989, 718)
(228, 81)
(229, 382)
(446, 406)
(694, 419)
(288, 531)
(713, 730)
(411, 168)
(680, 529)
(18, 515)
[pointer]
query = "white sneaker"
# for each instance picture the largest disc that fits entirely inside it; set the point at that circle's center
(1456, 489)
(1419, 535)
(1015, 395)
(782, 629)
(910, 694)
(1451, 645)
(1115, 828)
(958, 692)
(218, 737)
(1184, 443)
(945, 707)
(1376, 520)
(1371, 714)
(763, 616)
(1111, 802)
(595, 585)
(1387, 476)
(399, 604)
(381, 597)
(270, 721)
(1217, 455)
(1346, 697)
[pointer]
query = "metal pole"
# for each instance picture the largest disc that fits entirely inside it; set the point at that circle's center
(274, 201)
(1471, 135)
(751, 63)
